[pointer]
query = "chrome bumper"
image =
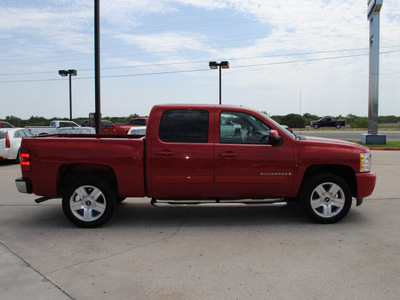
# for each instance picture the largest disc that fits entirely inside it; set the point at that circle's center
(23, 185)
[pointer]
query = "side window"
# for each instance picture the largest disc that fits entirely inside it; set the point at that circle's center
(67, 124)
(184, 126)
(242, 128)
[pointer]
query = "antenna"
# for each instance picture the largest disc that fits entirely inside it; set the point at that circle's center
(300, 110)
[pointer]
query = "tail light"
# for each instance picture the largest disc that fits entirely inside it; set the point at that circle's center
(8, 145)
(25, 160)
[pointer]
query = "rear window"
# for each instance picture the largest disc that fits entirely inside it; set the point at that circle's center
(141, 122)
(184, 126)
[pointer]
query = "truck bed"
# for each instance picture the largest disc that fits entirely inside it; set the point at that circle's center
(120, 157)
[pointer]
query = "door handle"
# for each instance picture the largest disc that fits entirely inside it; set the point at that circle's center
(228, 154)
(165, 152)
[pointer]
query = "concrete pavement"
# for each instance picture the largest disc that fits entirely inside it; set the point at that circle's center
(201, 253)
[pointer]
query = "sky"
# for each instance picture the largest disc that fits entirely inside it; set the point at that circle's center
(287, 56)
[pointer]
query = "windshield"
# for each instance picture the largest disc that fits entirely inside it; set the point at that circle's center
(292, 135)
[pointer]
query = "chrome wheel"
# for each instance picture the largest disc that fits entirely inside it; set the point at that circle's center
(327, 200)
(87, 203)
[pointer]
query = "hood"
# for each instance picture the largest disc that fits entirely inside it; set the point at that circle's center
(332, 143)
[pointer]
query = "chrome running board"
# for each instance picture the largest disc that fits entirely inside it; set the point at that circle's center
(222, 203)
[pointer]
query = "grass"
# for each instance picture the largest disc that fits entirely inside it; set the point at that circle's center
(389, 144)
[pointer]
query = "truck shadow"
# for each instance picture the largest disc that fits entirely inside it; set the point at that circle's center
(129, 214)
(143, 215)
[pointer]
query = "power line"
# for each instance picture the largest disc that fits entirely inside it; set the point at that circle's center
(203, 61)
(202, 70)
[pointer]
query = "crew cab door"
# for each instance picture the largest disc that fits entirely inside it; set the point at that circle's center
(247, 165)
(181, 154)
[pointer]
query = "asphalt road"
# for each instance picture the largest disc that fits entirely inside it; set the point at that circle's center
(347, 135)
(146, 252)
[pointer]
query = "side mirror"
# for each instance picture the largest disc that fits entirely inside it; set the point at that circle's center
(274, 138)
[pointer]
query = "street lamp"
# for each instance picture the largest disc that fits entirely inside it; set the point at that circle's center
(65, 73)
(222, 65)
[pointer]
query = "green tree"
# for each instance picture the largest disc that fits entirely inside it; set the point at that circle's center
(293, 121)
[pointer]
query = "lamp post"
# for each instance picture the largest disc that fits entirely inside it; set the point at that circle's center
(222, 65)
(69, 73)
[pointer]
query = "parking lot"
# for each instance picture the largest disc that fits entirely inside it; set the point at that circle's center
(146, 252)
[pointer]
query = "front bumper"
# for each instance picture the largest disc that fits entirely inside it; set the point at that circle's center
(365, 184)
(23, 185)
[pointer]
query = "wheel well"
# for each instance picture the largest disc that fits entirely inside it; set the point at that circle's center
(345, 172)
(68, 174)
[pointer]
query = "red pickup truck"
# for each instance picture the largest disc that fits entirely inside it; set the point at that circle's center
(189, 157)
(135, 122)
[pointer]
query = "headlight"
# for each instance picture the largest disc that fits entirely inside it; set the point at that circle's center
(365, 162)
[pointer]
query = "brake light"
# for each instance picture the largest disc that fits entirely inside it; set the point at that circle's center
(8, 145)
(25, 160)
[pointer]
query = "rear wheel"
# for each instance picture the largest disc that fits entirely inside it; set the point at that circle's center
(89, 202)
(326, 198)
(338, 126)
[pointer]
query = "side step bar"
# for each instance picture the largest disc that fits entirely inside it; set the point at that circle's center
(225, 203)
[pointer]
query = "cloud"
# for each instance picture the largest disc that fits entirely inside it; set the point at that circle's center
(168, 41)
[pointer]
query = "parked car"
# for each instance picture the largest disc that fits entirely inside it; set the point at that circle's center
(76, 130)
(107, 127)
(287, 128)
(184, 160)
(135, 122)
(4, 124)
(137, 130)
(54, 125)
(10, 142)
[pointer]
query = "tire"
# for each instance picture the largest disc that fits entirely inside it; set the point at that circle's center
(89, 202)
(326, 198)
(338, 126)
(17, 159)
(316, 126)
(120, 199)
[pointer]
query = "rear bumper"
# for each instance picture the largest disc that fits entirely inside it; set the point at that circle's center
(23, 185)
(365, 184)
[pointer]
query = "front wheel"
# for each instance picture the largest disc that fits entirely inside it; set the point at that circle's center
(88, 203)
(326, 198)
(316, 126)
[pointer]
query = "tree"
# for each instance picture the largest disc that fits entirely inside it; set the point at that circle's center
(293, 121)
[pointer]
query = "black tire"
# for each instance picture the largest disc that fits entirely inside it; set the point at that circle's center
(316, 126)
(17, 159)
(89, 202)
(338, 126)
(326, 198)
(120, 199)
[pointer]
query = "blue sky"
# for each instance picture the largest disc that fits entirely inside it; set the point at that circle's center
(285, 56)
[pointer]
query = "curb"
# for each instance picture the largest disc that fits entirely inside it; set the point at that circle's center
(390, 149)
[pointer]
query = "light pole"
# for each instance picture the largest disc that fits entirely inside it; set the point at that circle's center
(69, 73)
(222, 65)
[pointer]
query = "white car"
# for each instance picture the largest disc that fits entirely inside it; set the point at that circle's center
(76, 130)
(137, 130)
(10, 142)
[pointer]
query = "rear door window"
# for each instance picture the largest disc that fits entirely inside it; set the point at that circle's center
(184, 126)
